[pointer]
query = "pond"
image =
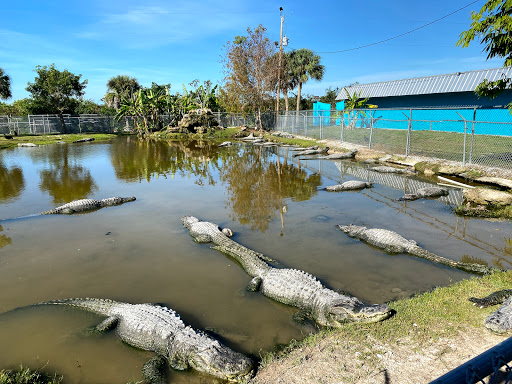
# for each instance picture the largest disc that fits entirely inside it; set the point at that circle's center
(139, 252)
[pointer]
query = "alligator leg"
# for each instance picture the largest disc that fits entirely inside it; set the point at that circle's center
(153, 371)
(107, 324)
(255, 284)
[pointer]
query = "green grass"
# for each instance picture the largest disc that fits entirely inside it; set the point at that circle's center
(27, 376)
(445, 145)
(420, 320)
(51, 139)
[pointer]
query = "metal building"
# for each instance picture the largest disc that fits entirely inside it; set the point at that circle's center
(453, 90)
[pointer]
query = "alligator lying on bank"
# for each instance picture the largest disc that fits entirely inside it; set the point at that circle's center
(305, 148)
(425, 192)
(387, 169)
(87, 205)
(499, 321)
(392, 242)
(289, 286)
(348, 186)
(339, 156)
(310, 152)
(159, 329)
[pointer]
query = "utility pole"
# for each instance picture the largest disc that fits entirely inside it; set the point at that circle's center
(279, 68)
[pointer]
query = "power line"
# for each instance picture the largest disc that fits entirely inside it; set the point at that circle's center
(405, 33)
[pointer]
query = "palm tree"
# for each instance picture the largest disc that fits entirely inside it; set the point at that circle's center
(305, 65)
(288, 82)
(120, 87)
(5, 85)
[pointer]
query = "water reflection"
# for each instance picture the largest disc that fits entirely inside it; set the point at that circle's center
(135, 160)
(63, 179)
(12, 182)
(4, 240)
(257, 186)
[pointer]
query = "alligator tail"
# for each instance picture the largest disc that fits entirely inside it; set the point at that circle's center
(99, 306)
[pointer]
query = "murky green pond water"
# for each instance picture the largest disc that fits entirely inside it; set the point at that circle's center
(139, 252)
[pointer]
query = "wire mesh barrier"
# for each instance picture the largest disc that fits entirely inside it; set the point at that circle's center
(470, 136)
(51, 124)
(226, 119)
(490, 367)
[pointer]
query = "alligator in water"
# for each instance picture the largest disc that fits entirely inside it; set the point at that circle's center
(159, 329)
(392, 242)
(87, 205)
(82, 205)
(289, 286)
(310, 152)
(348, 186)
(339, 156)
(387, 169)
(499, 321)
(425, 192)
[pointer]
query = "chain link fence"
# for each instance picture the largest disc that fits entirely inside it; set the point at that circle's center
(470, 136)
(51, 124)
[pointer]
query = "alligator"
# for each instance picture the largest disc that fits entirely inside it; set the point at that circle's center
(289, 286)
(348, 186)
(387, 169)
(87, 205)
(310, 152)
(499, 321)
(339, 156)
(392, 242)
(84, 140)
(305, 148)
(82, 205)
(159, 329)
(425, 192)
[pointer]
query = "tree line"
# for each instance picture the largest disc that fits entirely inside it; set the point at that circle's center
(254, 71)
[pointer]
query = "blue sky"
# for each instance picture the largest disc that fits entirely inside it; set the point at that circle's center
(178, 41)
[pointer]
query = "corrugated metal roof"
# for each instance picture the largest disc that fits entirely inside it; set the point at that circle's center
(452, 82)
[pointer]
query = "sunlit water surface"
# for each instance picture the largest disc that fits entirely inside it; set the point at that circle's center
(139, 252)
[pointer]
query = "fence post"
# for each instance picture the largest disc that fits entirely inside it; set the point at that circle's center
(321, 126)
(465, 131)
(472, 135)
(371, 132)
(409, 127)
(342, 126)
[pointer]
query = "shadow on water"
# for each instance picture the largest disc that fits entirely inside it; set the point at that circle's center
(63, 178)
(140, 252)
(257, 185)
(12, 182)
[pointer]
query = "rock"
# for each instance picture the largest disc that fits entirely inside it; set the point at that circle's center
(486, 196)
(26, 145)
(197, 121)
(226, 144)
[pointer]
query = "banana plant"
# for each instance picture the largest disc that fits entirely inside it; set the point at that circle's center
(353, 106)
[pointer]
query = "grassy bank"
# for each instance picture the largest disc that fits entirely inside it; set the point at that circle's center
(51, 139)
(419, 322)
(27, 376)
